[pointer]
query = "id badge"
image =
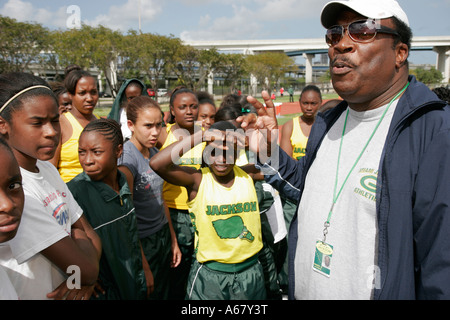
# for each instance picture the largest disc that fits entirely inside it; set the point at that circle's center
(322, 258)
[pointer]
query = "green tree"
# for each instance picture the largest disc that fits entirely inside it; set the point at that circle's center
(107, 47)
(326, 77)
(21, 44)
(195, 66)
(269, 67)
(427, 76)
(154, 55)
(73, 47)
(234, 69)
(210, 61)
(187, 66)
(92, 47)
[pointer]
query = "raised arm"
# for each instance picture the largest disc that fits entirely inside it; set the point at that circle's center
(261, 129)
(279, 169)
(164, 163)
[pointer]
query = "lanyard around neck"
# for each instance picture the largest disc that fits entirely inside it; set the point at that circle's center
(337, 193)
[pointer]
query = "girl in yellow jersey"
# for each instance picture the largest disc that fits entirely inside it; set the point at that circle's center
(82, 87)
(184, 112)
(223, 206)
(295, 132)
(206, 108)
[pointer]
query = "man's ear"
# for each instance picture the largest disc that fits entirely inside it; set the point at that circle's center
(402, 53)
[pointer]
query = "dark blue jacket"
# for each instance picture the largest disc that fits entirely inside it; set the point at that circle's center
(413, 196)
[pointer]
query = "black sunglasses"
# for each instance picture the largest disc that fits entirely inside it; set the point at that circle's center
(358, 31)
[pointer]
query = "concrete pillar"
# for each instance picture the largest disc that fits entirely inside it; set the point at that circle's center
(443, 62)
(308, 67)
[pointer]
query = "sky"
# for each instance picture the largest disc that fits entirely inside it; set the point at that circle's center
(216, 19)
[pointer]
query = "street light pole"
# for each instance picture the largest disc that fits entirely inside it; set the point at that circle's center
(139, 13)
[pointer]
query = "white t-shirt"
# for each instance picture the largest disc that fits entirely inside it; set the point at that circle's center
(49, 212)
(7, 291)
(126, 132)
(353, 224)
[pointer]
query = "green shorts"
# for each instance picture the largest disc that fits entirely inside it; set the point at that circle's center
(158, 252)
(184, 231)
(208, 284)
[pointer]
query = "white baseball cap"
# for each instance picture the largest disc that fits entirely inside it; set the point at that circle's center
(373, 9)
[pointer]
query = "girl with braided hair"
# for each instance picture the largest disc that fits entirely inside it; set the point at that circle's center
(103, 193)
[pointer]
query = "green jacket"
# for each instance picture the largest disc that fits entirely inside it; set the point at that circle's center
(115, 110)
(113, 218)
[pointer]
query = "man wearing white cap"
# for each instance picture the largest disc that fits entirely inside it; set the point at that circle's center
(373, 218)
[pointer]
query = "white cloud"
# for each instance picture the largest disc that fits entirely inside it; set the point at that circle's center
(126, 16)
(118, 17)
(224, 27)
(17, 9)
(25, 11)
(249, 17)
(289, 9)
(195, 2)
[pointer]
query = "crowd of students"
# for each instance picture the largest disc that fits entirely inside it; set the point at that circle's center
(132, 206)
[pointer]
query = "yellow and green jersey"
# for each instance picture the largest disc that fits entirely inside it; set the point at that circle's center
(298, 139)
(226, 220)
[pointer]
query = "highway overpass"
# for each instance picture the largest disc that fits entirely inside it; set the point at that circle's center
(308, 48)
